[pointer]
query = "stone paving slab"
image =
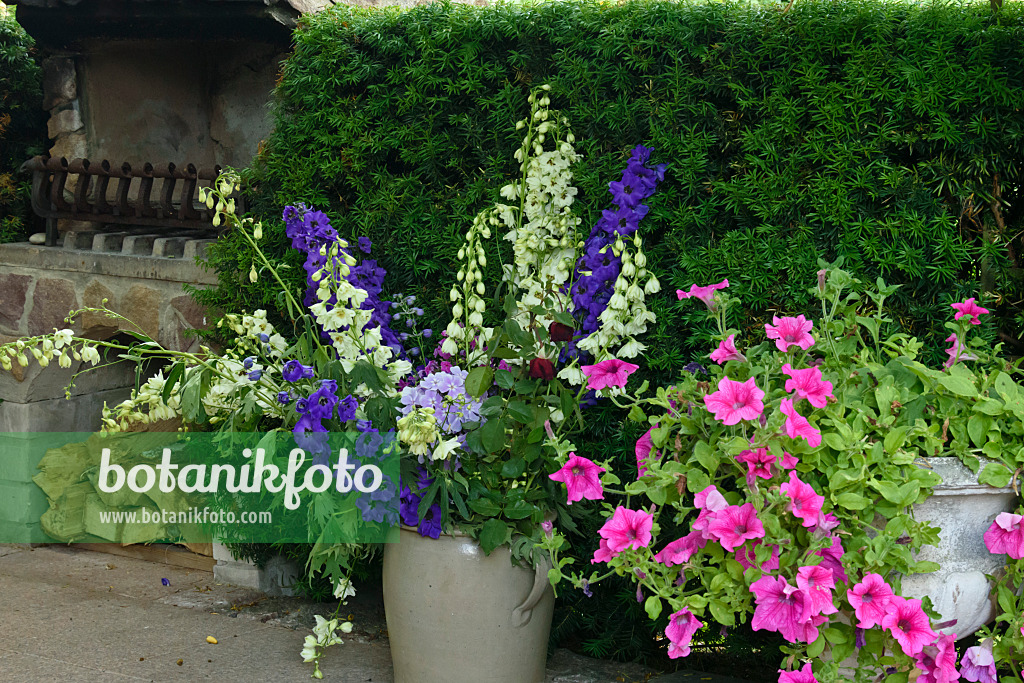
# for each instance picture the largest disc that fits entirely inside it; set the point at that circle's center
(76, 615)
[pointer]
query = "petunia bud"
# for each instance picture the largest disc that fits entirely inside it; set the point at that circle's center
(559, 332)
(541, 368)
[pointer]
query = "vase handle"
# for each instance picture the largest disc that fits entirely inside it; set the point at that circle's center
(521, 615)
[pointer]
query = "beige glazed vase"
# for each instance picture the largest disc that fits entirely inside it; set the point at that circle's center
(456, 615)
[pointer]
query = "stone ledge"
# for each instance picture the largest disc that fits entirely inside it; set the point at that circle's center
(121, 265)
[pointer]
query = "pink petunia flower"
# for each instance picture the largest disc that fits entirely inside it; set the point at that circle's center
(825, 523)
(726, 351)
(746, 556)
(603, 553)
(832, 557)
(1006, 535)
(736, 524)
(817, 582)
(870, 600)
(681, 627)
(759, 462)
(978, 665)
(937, 661)
(805, 503)
(608, 373)
(627, 529)
(957, 352)
(582, 478)
(804, 675)
(705, 294)
(969, 308)
(644, 446)
(710, 499)
(789, 332)
(908, 624)
(681, 550)
(709, 502)
(780, 607)
(808, 383)
(797, 425)
(735, 401)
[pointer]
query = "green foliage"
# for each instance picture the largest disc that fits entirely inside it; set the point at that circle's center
(20, 124)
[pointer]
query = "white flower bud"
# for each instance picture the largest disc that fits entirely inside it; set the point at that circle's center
(253, 275)
(461, 275)
(462, 253)
(457, 311)
(454, 294)
(480, 289)
(480, 306)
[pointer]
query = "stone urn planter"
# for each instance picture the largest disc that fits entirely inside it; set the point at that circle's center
(456, 615)
(964, 509)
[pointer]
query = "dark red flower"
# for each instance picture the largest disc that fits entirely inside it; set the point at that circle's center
(541, 368)
(560, 332)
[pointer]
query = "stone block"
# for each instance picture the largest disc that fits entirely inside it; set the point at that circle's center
(108, 241)
(98, 325)
(277, 577)
(169, 247)
(64, 121)
(20, 453)
(22, 532)
(34, 383)
(71, 146)
(77, 414)
(141, 305)
(60, 84)
(79, 239)
(138, 245)
(21, 501)
(184, 314)
(52, 300)
(196, 249)
(13, 293)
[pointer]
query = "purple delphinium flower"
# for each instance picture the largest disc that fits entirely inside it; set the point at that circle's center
(309, 231)
(598, 268)
(284, 398)
(294, 370)
(409, 504)
(323, 401)
(347, 408)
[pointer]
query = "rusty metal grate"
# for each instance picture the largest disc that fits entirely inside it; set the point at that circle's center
(132, 200)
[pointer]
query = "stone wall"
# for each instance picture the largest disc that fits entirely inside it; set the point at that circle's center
(160, 101)
(39, 286)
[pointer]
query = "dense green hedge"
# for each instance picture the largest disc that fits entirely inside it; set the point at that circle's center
(864, 130)
(21, 123)
(875, 132)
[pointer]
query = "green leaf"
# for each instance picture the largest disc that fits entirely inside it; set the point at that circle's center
(706, 456)
(853, 501)
(653, 607)
(977, 427)
(959, 385)
(834, 635)
(520, 411)
(520, 509)
(492, 435)
(815, 649)
(484, 506)
(721, 612)
(996, 474)
(636, 414)
(513, 469)
(504, 379)
(479, 380)
(989, 406)
(517, 335)
(173, 377)
(494, 533)
(895, 439)
(564, 318)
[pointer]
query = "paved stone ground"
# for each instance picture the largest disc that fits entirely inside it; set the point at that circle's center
(77, 615)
